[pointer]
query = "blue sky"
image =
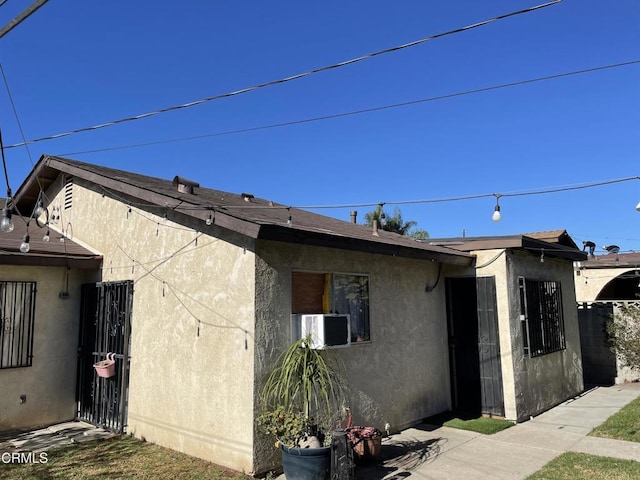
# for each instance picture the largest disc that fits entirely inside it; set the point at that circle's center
(75, 64)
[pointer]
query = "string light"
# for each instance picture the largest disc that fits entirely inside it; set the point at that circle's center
(496, 217)
(24, 246)
(6, 224)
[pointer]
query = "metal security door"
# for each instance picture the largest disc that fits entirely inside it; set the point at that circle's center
(489, 348)
(474, 350)
(105, 327)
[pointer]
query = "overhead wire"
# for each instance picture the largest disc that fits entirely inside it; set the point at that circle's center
(26, 13)
(293, 77)
(355, 112)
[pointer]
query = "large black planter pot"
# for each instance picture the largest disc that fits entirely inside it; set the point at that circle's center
(306, 463)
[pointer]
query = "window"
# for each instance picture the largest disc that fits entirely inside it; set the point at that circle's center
(333, 293)
(17, 313)
(541, 316)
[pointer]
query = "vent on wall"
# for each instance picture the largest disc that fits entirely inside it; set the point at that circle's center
(68, 193)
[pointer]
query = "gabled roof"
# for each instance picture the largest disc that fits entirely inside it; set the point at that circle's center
(245, 214)
(523, 242)
(561, 237)
(57, 251)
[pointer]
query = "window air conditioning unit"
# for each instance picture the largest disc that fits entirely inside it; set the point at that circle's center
(326, 330)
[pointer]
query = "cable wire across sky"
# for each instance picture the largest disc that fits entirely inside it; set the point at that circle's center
(290, 78)
(353, 112)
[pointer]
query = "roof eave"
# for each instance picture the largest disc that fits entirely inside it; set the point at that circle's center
(292, 235)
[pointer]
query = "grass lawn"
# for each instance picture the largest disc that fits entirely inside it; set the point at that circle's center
(624, 425)
(572, 465)
(483, 425)
(120, 457)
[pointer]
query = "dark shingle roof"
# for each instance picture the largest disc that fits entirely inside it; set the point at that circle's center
(257, 218)
(524, 242)
(55, 252)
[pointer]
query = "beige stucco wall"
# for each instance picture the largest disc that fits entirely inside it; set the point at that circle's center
(531, 385)
(49, 384)
(544, 381)
(402, 375)
(590, 282)
(192, 345)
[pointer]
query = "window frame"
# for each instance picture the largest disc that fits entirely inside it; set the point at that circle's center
(329, 306)
(17, 323)
(541, 316)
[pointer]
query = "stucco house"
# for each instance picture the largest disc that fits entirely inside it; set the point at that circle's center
(198, 290)
(604, 283)
(195, 295)
(40, 304)
(516, 310)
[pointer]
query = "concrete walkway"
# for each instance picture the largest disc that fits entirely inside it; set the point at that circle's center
(46, 438)
(438, 453)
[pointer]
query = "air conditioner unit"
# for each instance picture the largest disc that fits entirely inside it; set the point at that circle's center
(326, 330)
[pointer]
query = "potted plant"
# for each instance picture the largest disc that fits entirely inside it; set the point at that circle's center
(301, 405)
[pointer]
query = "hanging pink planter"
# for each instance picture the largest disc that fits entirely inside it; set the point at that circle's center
(106, 368)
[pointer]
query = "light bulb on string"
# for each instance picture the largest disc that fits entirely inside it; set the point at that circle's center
(24, 246)
(383, 216)
(39, 210)
(6, 224)
(497, 216)
(46, 236)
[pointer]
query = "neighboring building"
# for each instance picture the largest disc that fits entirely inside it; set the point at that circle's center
(40, 304)
(603, 284)
(515, 310)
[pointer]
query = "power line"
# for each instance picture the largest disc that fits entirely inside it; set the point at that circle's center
(15, 113)
(539, 191)
(356, 112)
(292, 77)
(21, 17)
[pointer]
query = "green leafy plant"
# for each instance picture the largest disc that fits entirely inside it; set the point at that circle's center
(302, 396)
(624, 334)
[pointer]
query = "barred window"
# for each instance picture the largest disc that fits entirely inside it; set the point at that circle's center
(541, 316)
(17, 313)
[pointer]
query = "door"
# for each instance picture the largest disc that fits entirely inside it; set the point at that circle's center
(598, 361)
(105, 327)
(474, 350)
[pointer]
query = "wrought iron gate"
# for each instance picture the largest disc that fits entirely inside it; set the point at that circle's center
(105, 327)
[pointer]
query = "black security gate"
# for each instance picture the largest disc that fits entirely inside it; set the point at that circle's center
(474, 350)
(105, 327)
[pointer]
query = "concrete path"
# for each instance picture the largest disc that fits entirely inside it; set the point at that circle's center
(439, 453)
(46, 438)
(442, 453)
